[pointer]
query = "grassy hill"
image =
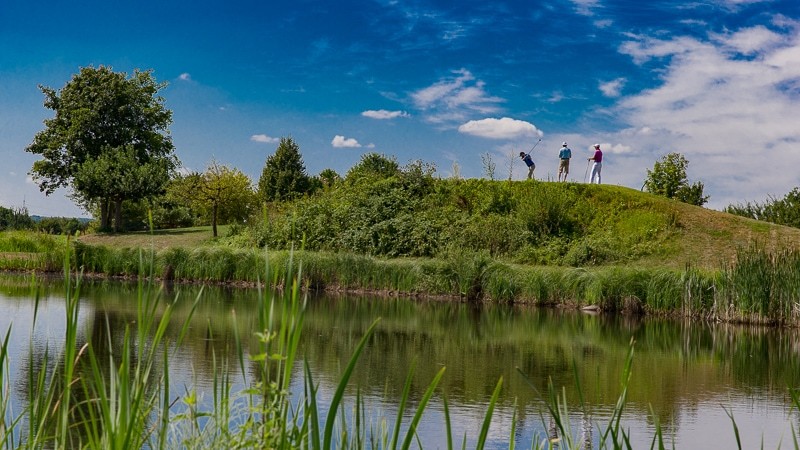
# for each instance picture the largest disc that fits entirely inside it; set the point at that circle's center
(529, 242)
(529, 223)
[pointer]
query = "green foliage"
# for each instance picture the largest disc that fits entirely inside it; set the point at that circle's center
(373, 165)
(328, 178)
(15, 219)
(284, 175)
(413, 213)
(108, 140)
(219, 195)
(61, 225)
(783, 211)
(668, 179)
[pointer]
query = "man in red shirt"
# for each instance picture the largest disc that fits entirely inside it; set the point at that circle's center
(598, 163)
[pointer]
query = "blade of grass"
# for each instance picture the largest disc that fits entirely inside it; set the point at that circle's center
(412, 428)
(337, 397)
(487, 420)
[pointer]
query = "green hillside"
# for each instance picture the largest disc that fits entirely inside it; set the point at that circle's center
(531, 223)
(523, 222)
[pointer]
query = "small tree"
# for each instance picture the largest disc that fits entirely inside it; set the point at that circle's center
(488, 165)
(668, 179)
(373, 165)
(284, 175)
(329, 177)
(220, 194)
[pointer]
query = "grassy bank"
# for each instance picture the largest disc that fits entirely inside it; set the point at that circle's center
(758, 286)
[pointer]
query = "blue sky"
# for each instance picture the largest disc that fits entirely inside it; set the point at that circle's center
(441, 81)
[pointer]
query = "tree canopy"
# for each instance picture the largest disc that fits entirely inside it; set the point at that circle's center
(668, 179)
(783, 211)
(284, 175)
(109, 140)
(221, 194)
(373, 165)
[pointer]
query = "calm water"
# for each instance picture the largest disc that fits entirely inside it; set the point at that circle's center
(687, 374)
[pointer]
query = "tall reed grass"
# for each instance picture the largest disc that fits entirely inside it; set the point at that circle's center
(758, 286)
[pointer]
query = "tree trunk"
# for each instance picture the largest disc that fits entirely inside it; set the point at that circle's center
(117, 216)
(214, 219)
(105, 217)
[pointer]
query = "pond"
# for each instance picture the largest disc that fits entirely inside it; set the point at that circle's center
(690, 377)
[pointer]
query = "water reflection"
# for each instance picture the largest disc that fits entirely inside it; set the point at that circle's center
(684, 372)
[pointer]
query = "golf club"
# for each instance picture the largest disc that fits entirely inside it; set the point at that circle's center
(586, 172)
(534, 146)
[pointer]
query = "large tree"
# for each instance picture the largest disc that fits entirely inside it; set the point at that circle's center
(109, 140)
(284, 175)
(668, 179)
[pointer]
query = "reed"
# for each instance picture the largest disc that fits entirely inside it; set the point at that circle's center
(758, 286)
(761, 286)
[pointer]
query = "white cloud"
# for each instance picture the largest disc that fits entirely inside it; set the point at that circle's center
(736, 4)
(750, 40)
(603, 23)
(382, 114)
(185, 77)
(505, 128)
(616, 149)
(729, 104)
(612, 88)
(264, 139)
(556, 97)
(343, 142)
(455, 98)
(585, 7)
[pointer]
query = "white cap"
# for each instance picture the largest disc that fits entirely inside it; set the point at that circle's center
(596, 145)
(564, 144)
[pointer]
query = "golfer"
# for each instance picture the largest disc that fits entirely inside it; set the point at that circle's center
(529, 162)
(563, 165)
(598, 164)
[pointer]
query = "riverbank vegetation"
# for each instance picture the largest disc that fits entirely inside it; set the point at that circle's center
(757, 286)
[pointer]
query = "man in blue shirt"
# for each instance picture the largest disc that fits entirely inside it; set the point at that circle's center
(526, 157)
(563, 166)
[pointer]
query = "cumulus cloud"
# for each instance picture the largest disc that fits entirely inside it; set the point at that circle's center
(612, 88)
(454, 98)
(504, 128)
(382, 114)
(343, 142)
(264, 139)
(728, 103)
(616, 149)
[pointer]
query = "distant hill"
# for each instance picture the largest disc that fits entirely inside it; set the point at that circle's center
(37, 218)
